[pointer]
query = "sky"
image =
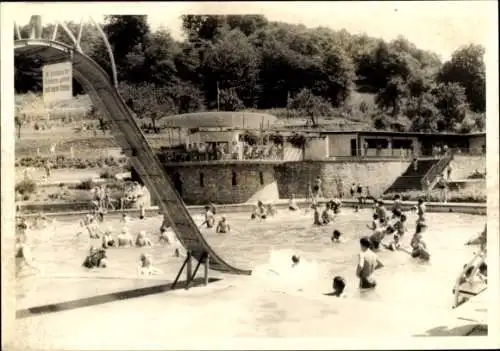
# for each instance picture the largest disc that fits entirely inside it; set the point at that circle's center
(439, 26)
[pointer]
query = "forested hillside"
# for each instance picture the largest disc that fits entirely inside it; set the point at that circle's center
(247, 62)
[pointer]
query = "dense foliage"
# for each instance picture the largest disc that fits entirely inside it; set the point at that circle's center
(240, 62)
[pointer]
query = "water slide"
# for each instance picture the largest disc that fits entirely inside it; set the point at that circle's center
(130, 137)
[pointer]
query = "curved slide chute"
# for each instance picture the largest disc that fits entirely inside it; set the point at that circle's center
(130, 137)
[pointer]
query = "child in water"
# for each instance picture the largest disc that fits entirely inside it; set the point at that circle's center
(420, 211)
(368, 263)
(295, 261)
(292, 204)
(260, 211)
(338, 286)
(209, 217)
(223, 226)
(107, 240)
(400, 225)
(327, 214)
(394, 245)
(146, 265)
(125, 218)
(124, 238)
(317, 216)
(96, 258)
(396, 206)
(163, 235)
(271, 210)
(419, 247)
(375, 223)
(336, 236)
(142, 239)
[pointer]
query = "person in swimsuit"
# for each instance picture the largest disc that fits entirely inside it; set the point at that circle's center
(317, 193)
(146, 265)
(209, 218)
(23, 255)
(292, 204)
(223, 226)
(375, 223)
(124, 238)
(271, 209)
(317, 216)
(338, 286)
(142, 239)
(420, 211)
(125, 219)
(107, 240)
(260, 212)
(396, 206)
(336, 236)
(327, 214)
(394, 244)
(380, 210)
(368, 263)
(95, 259)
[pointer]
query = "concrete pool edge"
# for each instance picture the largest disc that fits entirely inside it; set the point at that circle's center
(450, 207)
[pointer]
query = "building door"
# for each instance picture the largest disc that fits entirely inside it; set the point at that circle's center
(178, 183)
(354, 147)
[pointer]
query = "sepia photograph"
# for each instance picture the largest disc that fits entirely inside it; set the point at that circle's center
(173, 175)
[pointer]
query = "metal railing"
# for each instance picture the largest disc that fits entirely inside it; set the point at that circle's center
(432, 174)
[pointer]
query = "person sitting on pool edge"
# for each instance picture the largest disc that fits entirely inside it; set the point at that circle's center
(142, 240)
(260, 211)
(223, 226)
(96, 258)
(368, 263)
(338, 286)
(292, 204)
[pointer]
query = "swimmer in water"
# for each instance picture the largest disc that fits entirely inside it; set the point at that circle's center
(336, 236)
(146, 265)
(165, 224)
(107, 240)
(295, 260)
(223, 226)
(96, 259)
(271, 209)
(125, 218)
(124, 238)
(292, 204)
(23, 255)
(338, 286)
(368, 263)
(164, 236)
(317, 216)
(419, 247)
(142, 240)
(394, 245)
(375, 223)
(327, 214)
(380, 210)
(209, 218)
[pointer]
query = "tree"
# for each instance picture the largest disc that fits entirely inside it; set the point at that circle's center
(311, 105)
(467, 68)
(231, 63)
(229, 100)
(340, 74)
(391, 96)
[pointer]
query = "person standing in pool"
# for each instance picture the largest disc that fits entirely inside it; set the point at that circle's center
(381, 211)
(223, 226)
(260, 212)
(368, 263)
(420, 211)
(317, 192)
(209, 218)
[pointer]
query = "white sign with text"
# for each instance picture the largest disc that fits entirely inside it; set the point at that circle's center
(57, 82)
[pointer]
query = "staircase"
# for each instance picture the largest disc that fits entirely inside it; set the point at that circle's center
(432, 176)
(412, 179)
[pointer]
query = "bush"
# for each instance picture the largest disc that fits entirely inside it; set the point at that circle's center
(297, 140)
(87, 184)
(26, 187)
(474, 193)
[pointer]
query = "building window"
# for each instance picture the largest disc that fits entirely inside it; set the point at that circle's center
(233, 181)
(202, 180)
(261, 177)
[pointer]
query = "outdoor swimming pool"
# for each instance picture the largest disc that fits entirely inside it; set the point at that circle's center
(263, 304)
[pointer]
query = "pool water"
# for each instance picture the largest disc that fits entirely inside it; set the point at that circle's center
(276, 300)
